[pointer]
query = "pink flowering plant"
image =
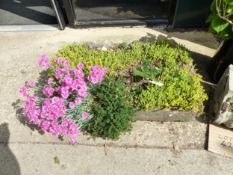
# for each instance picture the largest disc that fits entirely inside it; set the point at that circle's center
(64, 107)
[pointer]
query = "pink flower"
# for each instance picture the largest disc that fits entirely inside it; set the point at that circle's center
(44, 62)
(80, 66)
(84, 115)
(31, 83)
(30, 109)
(74, 85)
(82, 92)
(71, 105)
(54, 128)
(97, 74)
(77, 73)
(52, 108)
(64, 126)
(58, 89)
(73, 128)
(45, 125)
(78, 101)
(59, 72)
(48, 91)
(58, 106)
(65, 92)
(59, 60)
(73, 139)
(67, 80)
(66, 63)
(23, 91)
(50, 81)
(35, 119)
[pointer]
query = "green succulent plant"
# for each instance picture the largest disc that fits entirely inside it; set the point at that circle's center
(164, 61)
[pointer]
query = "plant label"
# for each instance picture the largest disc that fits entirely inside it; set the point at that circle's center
(220, 140)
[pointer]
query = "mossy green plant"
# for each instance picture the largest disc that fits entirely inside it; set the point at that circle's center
(113, 114)
(181, 90)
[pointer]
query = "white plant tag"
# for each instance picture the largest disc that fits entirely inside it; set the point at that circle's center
(156, 83)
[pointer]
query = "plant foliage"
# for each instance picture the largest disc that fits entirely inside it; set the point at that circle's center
(113, 114)
(169, 63)
(146, 71)
(221, 18)
(183, 93)
(115, 60)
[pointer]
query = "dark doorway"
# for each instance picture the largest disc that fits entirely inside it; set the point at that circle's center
(120, 11)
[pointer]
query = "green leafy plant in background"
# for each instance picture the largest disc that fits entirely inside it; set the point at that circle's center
(170, 64)
(113, 114)
(146, 71)
(221, 18)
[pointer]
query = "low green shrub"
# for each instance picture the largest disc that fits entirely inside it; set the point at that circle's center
(182, 88)
(112, 111)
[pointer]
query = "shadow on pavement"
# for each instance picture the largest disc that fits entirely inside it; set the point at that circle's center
(198, 36)
(8, 162)
(17, 105)
(37, 11)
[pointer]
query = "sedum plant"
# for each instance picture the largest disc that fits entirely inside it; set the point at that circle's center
(64, 106)
(183, 93)
(169, 64)
(115, 60)
(112, 111)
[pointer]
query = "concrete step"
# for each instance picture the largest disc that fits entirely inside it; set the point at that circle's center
(177, 135)
(37, 159)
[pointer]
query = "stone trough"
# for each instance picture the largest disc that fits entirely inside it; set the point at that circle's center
(223, 99)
